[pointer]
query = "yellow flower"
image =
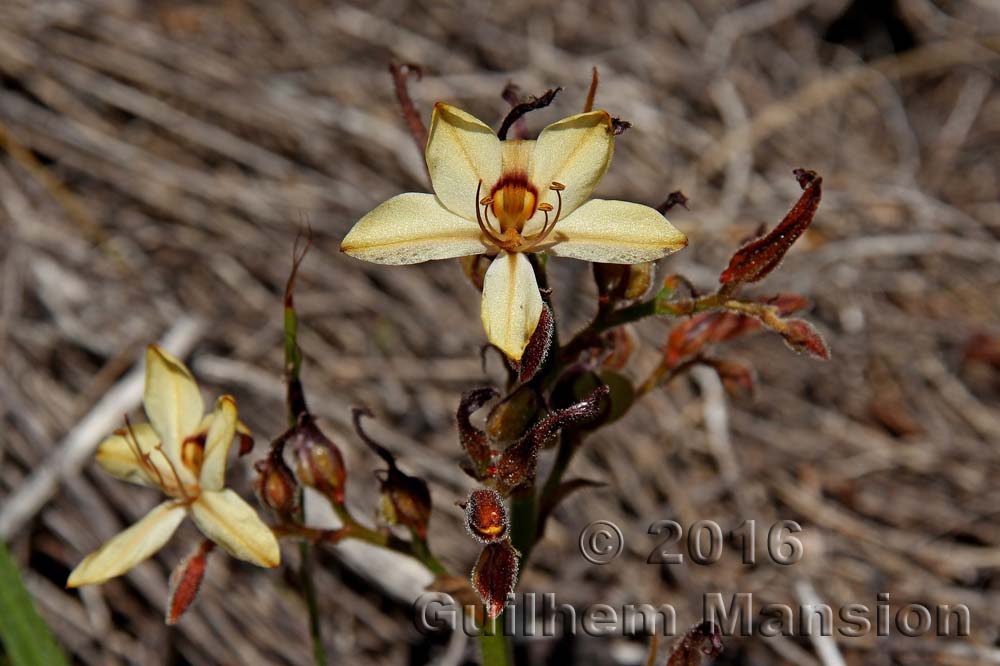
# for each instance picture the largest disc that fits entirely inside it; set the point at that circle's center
(182, 452)
(507, 198)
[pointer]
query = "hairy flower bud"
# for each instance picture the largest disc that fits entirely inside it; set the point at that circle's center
(495, 574)
(185, 581)
(486, 515)
(318, 462)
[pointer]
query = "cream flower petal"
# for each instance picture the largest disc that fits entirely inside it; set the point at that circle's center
(616, 232)
(172, 401)
(221, 431)
(511, 303)
(129, 548)
(576, 152)
(225, 518)
(117, 456)
(411, 228)
(461, 151)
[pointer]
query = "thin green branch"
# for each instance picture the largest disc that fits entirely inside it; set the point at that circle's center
(494, 645)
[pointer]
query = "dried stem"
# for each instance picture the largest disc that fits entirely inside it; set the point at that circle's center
(400, 74)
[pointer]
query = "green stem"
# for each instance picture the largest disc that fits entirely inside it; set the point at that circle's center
(352, 529)
(296, 405)
(569, 443)
(494, 646)
(309, 593)
(524, 521)
(422, 552)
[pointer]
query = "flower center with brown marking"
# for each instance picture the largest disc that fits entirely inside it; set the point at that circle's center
(513, 201)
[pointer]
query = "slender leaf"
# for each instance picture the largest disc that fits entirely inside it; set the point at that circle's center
(25, 636)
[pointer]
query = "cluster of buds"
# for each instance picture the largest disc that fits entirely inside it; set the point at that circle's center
(505, 471)
(317, 463)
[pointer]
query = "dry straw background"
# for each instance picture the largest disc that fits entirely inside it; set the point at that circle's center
(158, 159)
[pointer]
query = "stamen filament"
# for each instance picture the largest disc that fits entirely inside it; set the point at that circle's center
(548, 227)
(142, 458)
(487, 231)
(177, 477)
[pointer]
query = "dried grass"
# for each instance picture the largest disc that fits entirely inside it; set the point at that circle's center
(159, 158)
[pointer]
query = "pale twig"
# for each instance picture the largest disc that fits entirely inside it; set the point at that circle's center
(825, 646)
(745, 21)
(739, 167)
(937, 56)
(716, 418)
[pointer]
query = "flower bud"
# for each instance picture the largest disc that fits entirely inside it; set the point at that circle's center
(512, 417)
(803, 337)
(609, 278)
(318, 462)
(186, 580)
(621, 341)
(495, 575)
(275, 485)
(622, 282)
(637, 282)
(473, 439)
(486, 516)
(406, 500)
(756, 259)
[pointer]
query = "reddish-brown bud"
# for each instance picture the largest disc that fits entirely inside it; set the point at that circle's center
(737, 378)
(802, 337)
(756, 259)
(539, 346)
(185, 581)
(486, 515)
(318, 462)
(406, 501)
(704, 638)
(275, 485)
(495, 574)
(688, 338)
(518, 462)
(787, 303)
(621, 342)
(473, 439)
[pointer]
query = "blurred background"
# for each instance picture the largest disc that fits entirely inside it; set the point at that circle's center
(159, 159)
